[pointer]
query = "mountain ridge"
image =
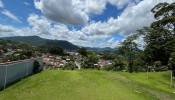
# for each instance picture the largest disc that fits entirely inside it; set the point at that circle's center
(38, 41)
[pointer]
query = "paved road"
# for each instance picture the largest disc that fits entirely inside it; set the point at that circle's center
(78, 64)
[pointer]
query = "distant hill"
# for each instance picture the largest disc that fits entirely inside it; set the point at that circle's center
(38, 41)
(100, 49)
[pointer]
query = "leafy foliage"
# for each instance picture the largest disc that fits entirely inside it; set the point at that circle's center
(36, 66)
(82, 51)
(160, 37)
(108, 55)
(128, 50)
(117, 65)
(56, 50)
(140, 64)
(69, 66)
(171, 63)
(165, 15)
(90, 60)
(160, 43)
(14, 51)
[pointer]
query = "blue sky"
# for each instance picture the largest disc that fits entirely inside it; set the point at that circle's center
(20, 8)
(93, 23)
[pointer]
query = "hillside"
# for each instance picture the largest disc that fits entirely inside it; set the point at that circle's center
(100, 49)
(91, 85)
(38, 41)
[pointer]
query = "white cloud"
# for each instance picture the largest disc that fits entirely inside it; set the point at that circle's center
(119, 3)
(8, 31)
(40, 25)
(1, 4)
(111, 42)
(26, 3)
(94, 34)
(135, 16)
(10, 15)
(95, 6)
(46, 29)
(75, 12)
(64, 11)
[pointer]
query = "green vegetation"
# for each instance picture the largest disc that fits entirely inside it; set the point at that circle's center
(69, 66)
(91, 85)
(107, 55)
(56, 50)
(13, 51)
(128, 50)
(90, 60)
(171, 63)
(157, 54)
(82, 51)
(158, 41)
(52, 49)
(36, 66)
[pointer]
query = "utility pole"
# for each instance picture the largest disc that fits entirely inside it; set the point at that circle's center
(171, 79)
(5, 77)
(147, 71)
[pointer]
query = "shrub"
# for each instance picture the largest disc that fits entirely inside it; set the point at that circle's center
(69, 66)
(171, 63)
(56, 50)
(89, 61)
(36, 66)
(109, 67)
(140, 64)
(157, 65)
(82, 51)
(112, 68)
(119, 64)
(130, 66)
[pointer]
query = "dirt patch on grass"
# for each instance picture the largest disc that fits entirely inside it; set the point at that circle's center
(158, 94)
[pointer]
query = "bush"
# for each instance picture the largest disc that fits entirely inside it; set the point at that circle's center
(130, 66)
(140, 64)
(82, 51)
(138, 68)
(36, 66)
(112, 68)
(171, 63)
(119, 64)
(56, 50)
(89, 61)
(157, 65)
(69, 66)
(109, 68)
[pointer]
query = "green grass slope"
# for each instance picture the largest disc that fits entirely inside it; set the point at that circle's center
(91, 85)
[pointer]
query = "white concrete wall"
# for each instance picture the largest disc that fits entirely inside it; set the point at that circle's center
(13, 71)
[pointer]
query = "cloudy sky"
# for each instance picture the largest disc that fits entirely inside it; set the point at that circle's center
(90, 23)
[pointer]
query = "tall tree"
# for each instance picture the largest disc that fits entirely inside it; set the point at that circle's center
(159, 37)
(159, 44)
(165, 15)
(56, 50)
(128, 50)
(90, 60)
(82, 51)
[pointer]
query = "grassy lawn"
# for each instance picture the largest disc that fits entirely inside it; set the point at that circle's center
(91, 85)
